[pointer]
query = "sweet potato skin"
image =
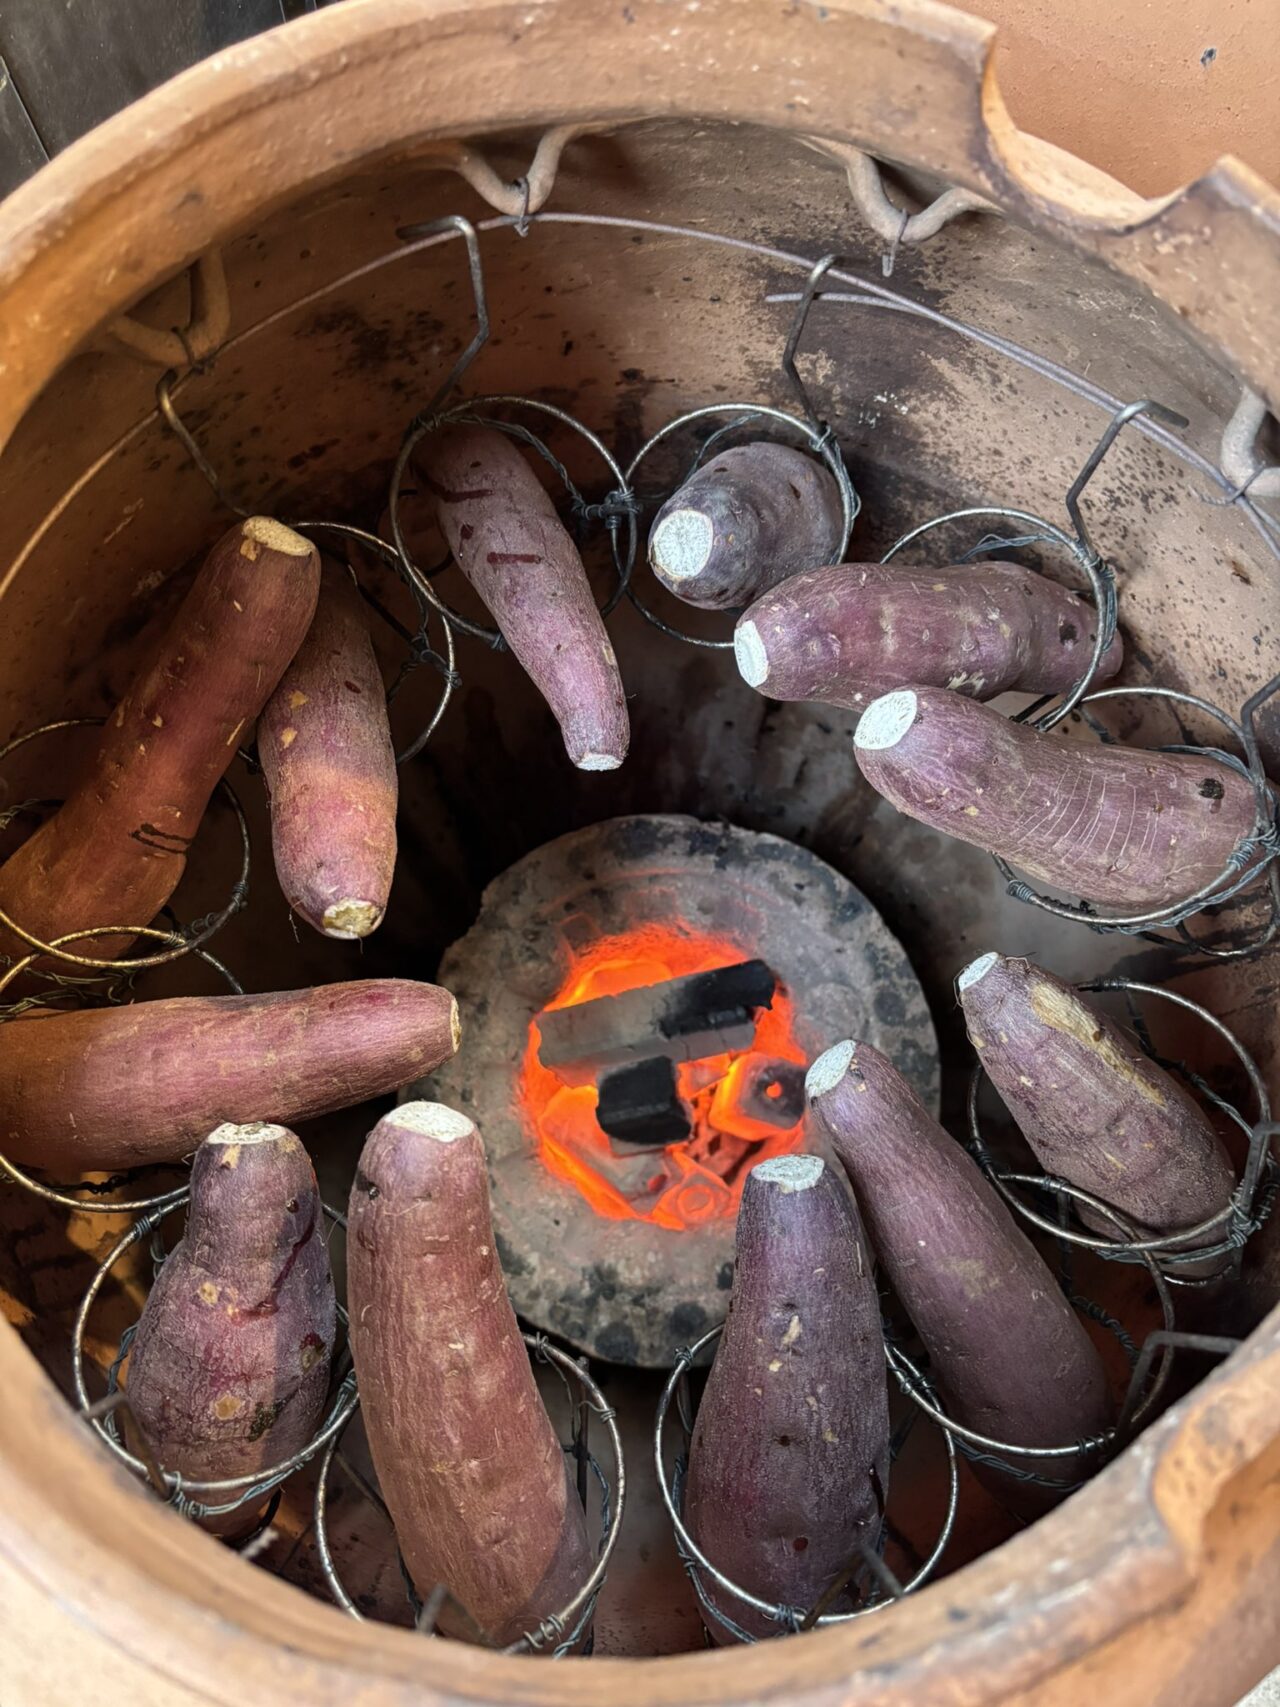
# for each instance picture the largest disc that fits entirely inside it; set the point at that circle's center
(468, 1462)
(744, 521)
(119, 1087)
(503, 531)
(789, 1464)
(229, 1370)
(1012, 1357)
(846, 633)
(114, 851)
(324, 744)
(1092, 1106)
(1118, 826)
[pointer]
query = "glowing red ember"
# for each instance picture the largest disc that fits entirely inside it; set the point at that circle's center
(699, 1179)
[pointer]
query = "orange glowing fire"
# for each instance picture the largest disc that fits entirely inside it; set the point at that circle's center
(699, 1179)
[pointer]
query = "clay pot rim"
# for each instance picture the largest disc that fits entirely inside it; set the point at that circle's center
(125, 208)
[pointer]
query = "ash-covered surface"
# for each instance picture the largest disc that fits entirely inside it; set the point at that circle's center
(630, 1291)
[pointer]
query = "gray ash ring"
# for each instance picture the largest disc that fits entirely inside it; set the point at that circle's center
(627, 1290)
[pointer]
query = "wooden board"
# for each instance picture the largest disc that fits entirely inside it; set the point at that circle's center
(75, 62)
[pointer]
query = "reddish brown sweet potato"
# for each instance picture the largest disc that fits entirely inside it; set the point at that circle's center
(1091, 1105)
(503, 530)
(847, 633)
(469, 1464)
(744, 521)
(325, 747)
(229, 1370)
(1012, 1357)
(114, 851)
(789, 1464)
(119, 1087)
(1115, 825)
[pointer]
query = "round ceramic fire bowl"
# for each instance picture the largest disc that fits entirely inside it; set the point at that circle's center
(624, 1246)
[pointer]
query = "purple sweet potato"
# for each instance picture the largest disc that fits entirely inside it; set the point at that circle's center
(471, 1469)
(789, 1464)
(847, 633)
(1012, 1357)
(229, 1370)
(325, 747)
(114, 851)
(1119, 826)
(106, 1088)
(1094, 1108)
(503, 531)
(744, 521)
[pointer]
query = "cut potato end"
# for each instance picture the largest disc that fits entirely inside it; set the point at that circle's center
(748, 649)
(976, 970)
(886, 720)
(254, 1132)
(790, 1173)
(828, 1070)
(681, 544)
(350, 919)
(433, 1120)
(276, 536)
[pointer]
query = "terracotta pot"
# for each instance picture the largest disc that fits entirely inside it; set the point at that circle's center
(298, 154)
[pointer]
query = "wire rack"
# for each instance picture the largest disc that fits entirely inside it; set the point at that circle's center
(1218, 1240)
(701, 1570)
(191, 1498)
(559, 1633)
(614, 515)
(1253, 866)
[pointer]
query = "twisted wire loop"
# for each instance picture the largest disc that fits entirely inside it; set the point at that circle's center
(183, 940)
(816, 435)
(1242, 468)
(892, 224)
(189, 1496)
(1253, 861)
(700, 1569)
(1221, 1235)
(523, 196)
(566, 1628)
(183, 348)
(62, 1194)
(619, 510)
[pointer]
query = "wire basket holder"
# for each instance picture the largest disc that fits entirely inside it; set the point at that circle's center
(698, 1567)
(562, 1631)
(191, 1498)
(1254, 860)
(816, 435)
(1149, 1368)
(1221, 1236)
(185, 939)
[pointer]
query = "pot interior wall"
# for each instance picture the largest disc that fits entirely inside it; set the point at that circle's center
(645, 293)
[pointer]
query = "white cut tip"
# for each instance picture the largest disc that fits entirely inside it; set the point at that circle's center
(681, 544)
(598, 762)
(828, 1070)
(433, 1120)
(455, 1024)
(255, 1132)
(976, 970)
(276, 536)
(790, 1173)
(885, 721)
(748, 649)
(350, 920)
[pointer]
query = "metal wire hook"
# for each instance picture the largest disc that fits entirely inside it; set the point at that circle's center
(475, 266)
(1121, 418)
